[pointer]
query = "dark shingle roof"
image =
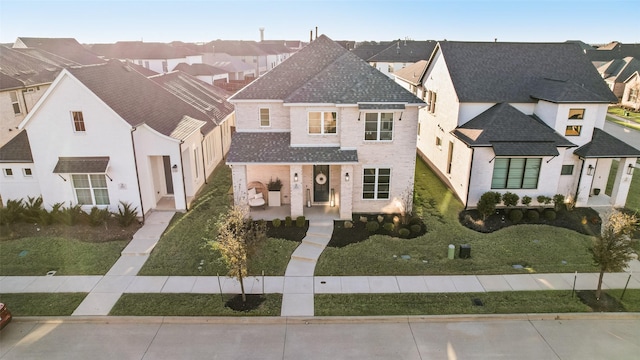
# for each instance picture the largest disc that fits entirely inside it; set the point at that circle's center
(604, 145)
(17, 149)
(619, 70)
(366, 51)
(199, 69)
(236, 47)
(142, 50)
(19, 69)
(511, 132)
(614, 50)
(67, 48)
(559, 91)
(405, 51)
(496, 72)
(81, 165)
(135, 98)
(324, 72)
(272, 148)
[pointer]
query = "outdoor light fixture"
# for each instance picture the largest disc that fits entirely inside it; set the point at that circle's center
(332, 202)
(346, 177)
(630, 169)
(590, 170)
(295, 177)
(308, 197)
(174, 167)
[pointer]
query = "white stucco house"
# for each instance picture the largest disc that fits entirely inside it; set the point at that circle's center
(103, 134)
(520, 117)
(333, 129)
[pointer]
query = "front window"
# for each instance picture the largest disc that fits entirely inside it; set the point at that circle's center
(516, 173)
(265, 119)
(15, 103)
(27, 172)
(378, 126)
(567, 170)
(7, 171)
(91, 189)
(78, 121)
(431, 101)
(576, 114)
(375, 183)
(633, 95)
(323, 122)
(573, 130)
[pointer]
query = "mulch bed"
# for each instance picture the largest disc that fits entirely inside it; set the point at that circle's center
(292, 232)
(111, 231)
(343, 236)
(606, 303)
(253, 302)
(583, 220)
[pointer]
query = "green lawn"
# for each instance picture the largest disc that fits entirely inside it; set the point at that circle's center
(42, 304)
(540, 248)
(632, 120)
(182, 248)
(37, 256)
(189, 305)
(633, 199)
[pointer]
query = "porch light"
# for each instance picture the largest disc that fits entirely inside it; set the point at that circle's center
(590, 170)
(295, 177)
(346, 177)
(630, 169)
(174, 167)
(332, 201)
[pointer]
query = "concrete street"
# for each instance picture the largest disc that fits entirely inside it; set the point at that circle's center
(591, 336)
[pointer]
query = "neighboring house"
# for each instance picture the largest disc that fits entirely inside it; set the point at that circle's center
(67, 48)
(611, 51)
(158, 57)
(23, 80)
(631, 96)
(336, 131)
(236, 68)
(276, 53)
(207, 73)
(401, 54)
(292, 45)
(105, 133)
(524, 118)
(245, 51)
(616, 71)
(410, 78)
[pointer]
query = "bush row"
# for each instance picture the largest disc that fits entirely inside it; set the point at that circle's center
(288, 222)
(489, 200)
(32, 211)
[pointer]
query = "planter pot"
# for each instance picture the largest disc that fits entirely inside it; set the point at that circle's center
(274, 198)
(596, 192)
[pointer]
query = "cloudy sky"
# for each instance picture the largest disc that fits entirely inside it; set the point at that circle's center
(93, 21)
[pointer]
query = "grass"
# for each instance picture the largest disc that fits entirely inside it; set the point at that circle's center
(42, 304)
(189, 305)
(633, 199)
(182, 248)
(632, 121)
(551, 301)
(38, 255)
(539, 248)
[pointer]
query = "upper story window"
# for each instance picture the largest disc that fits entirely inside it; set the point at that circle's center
(567, 170)
(27, 172)
(633, 95)
(390, 68)
(91, 189)
(378, 126)
(577, 114)
(146, 64)
(78, 121)
(7, 171)
(573, 130)
(165, 66)
(323, 122)
(516, 173)
(431, 101)
(15, 103)
(265, 119)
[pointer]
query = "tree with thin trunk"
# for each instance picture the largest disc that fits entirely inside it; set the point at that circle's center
(612, 250)
(238, 237)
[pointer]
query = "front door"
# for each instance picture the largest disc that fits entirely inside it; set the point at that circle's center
(168, 178)
(320, 183)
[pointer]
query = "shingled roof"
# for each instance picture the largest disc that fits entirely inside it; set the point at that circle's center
(405, 51)
(509, 72)
(135, 98)
(412, 73)
(17, 150)
(142, 50)
(325, 72)
(274, 148)
(67, 48)
(236, 47)
(511, 133)
(18, 69)
(604, 145)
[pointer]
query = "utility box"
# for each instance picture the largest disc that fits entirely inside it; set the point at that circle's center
(451, 252)
(465, 251)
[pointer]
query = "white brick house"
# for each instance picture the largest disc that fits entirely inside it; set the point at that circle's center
(333, 129)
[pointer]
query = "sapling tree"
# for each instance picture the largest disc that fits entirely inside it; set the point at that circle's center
(238, 238)
(613, 248)
(406, 204)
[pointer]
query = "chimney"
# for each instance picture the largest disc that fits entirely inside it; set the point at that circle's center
(310, 35)
(316, 32)
(261, 34)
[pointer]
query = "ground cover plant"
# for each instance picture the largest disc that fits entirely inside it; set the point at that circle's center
(42, 304)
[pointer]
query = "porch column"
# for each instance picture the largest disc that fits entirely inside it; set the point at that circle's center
(239, 181)
(622, 183)
(346, 192)
(584, 190)
(297, 195)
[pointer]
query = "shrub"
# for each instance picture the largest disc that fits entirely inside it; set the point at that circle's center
(550, 214)
(510, 199)
(516, 215)
(287, 221)
(404, 232)
(488, 202)
(300, 221)
(416, 228)
(558, 201)
(55, 215)
(543, 199)
(348, 224)
(372, 226)
(127, 214)
(363, 219)
(388, 227)
(274, 185)
(526, 200)
(32, 208)
(533, 215)
(276, 223)
(11, 213)
(98, 216)
(71, 215)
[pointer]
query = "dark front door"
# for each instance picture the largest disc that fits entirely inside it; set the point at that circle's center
(167, 174)
(321, 183)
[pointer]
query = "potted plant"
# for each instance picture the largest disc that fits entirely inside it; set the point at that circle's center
(274, 187)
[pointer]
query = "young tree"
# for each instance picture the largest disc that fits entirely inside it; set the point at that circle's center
(613, 248)
(238, 238)
(405, 204)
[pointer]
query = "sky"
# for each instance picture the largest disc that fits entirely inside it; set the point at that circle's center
(93, 21)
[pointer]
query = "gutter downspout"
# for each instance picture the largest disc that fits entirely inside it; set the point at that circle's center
(579, 180)
(135, 162)
(184, 185)
(469, 177)
(204, 168)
